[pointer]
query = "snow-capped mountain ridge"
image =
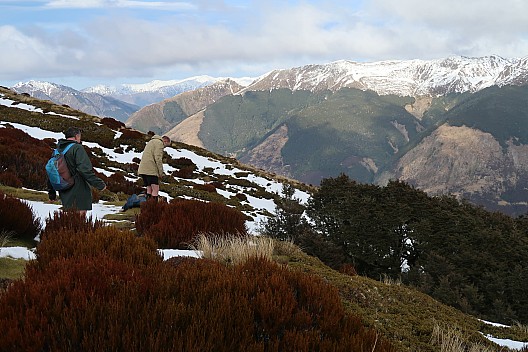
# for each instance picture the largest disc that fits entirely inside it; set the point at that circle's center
(153, 86)
(400, 77)
(41, 86)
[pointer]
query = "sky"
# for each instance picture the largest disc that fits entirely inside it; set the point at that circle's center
(82, 43)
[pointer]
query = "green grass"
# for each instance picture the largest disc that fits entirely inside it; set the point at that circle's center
(12, 268)
(402, 314)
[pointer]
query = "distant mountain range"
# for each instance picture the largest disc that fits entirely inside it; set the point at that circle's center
(449, 126)
(403, 78)
(119, 102)
(452, 126)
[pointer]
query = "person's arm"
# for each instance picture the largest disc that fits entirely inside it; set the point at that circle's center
(52, 194)
(85, 169)
(158, 158)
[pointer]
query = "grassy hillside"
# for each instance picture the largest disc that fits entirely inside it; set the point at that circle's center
(502, 112)
(399, 314)
(328, 132)
(405, 316)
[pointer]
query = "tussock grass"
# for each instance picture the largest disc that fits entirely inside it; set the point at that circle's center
(4, 238)
(449, 339)
(520, 329)
(387, 280)
(231, 249)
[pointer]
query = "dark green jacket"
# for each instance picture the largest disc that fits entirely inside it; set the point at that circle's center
(80, 195)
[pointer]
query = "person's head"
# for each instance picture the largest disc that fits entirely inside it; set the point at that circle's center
(166, 141)
(73, 133)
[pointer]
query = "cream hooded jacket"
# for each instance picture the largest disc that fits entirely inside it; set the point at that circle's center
(151, 160)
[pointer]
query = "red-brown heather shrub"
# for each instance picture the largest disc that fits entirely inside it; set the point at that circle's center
(118, 183)
(184, 172)
(69, 220)
(348, 269)
(179, 162)
(130, 134)
(101, 303)
(8, 178)
(207, 187)
(241, 196)
(83, 304)
(218, 184)
(96, 241)
(112, 123)
(136, 160)
(18, 218)
(175, 224)
(24, 156)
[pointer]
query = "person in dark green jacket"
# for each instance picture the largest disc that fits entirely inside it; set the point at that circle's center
(78, 197)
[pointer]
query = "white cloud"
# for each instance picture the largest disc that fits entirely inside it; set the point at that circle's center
(223, 38)
(86, 4)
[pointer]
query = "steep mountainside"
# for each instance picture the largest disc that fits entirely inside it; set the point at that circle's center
(90, 103)
(163, 116)
(373, 138)
(479, 153)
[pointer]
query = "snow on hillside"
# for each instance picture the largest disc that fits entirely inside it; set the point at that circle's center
(45, 210)
(260, 205)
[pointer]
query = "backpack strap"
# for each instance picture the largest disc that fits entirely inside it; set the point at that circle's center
(63, 153)
(67, 148)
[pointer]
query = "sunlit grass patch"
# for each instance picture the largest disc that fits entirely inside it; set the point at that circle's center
(232, 249)
(12, 268)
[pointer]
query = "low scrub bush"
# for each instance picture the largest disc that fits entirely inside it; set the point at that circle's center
(205, 187)
(96, 241)
(130, 134)
(70, 220)
(181, 162)
(23, 156)
(79, 304)
(184, 172)
(175, 224)
(9, 178)
(111, 291)
(112, 123)
(18, 218)
(118, 183)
